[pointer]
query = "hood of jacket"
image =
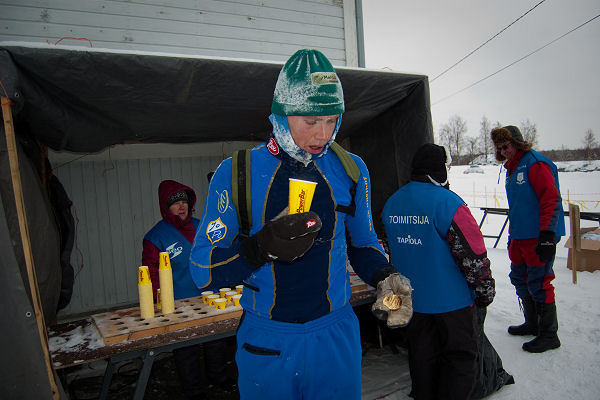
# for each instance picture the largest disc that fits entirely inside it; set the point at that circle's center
(165, 190)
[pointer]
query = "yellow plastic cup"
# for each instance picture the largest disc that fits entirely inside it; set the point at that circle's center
(145, 293)
(220, 303)
(211, 299)
(239, 288)
(143, 276)
(301, 195)
(164, 262)
(236, 299)
(224, 290)
(230, 294)
(205, 295)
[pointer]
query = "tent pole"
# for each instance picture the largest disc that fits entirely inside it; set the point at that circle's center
(25, 239)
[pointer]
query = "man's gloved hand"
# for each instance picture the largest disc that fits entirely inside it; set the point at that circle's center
(546, 248)
(394, 301)
(284, 238)
(485, 293)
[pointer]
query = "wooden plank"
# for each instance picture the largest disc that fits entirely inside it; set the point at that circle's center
(126, 324)
(15, 173)
(576, 236)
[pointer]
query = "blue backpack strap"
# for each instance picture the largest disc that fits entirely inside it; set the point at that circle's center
(352, 171)
(240, 190)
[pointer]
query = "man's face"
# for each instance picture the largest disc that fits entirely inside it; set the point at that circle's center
(179, 208)
(311, 134)
(507, 150)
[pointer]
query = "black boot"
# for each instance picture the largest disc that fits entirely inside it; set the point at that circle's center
(547, 338)
(530, 327)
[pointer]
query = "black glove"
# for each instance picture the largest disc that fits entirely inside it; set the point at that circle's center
(484, 293)
(546, 248)
(283, 238)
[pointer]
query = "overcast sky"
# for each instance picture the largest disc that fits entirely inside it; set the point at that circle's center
(557, 88)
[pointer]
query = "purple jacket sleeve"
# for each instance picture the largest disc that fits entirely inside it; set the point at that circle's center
(469, 252)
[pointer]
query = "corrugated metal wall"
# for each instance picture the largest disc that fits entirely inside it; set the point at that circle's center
(257, 29)
(115, 202)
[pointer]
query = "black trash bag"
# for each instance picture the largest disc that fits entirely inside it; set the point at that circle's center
(491, 376)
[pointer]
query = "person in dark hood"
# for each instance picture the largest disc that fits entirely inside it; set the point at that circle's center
(174, 234)
(536, 223)
(435, 242)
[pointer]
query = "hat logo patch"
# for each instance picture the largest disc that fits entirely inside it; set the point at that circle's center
(216, 230)
(273, 147)
(323, 78)
(310, 223)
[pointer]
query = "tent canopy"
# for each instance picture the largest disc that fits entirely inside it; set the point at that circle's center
(83, 100)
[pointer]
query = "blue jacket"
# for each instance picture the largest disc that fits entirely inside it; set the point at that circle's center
(417, 219)
(524, 204)
(167, 238)
(318, 282)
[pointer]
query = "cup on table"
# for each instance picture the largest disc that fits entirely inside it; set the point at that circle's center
(220, 303)
(239, 288)
(230, 294)
(205, 295)
(236, 299)
(224, 290)
(210, 299)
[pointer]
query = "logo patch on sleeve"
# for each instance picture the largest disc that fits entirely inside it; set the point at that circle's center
(216, 230)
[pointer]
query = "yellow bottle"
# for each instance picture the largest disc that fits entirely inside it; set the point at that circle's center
(145, 293)
(165, 275)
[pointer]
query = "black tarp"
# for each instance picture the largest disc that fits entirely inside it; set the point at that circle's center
(84, 100)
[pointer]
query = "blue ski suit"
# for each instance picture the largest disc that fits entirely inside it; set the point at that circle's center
(299, 337)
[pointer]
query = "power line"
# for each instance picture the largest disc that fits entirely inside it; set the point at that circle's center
(486, 42)
(516, 61)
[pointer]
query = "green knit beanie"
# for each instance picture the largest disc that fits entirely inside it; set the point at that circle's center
(308, 85)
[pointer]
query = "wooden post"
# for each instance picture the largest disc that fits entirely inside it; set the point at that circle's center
(25, 239)
(575, 236)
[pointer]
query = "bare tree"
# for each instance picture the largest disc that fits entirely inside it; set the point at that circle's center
(589, 144)
(529, 131)
(472, 147)
(486, 140)
(452, 134)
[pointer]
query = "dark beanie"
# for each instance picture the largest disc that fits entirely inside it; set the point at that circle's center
(175, 197)
(430, 159)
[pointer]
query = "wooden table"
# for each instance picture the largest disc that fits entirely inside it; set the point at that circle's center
(80, 342)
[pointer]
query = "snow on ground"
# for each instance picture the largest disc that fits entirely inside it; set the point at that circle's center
(570, 372)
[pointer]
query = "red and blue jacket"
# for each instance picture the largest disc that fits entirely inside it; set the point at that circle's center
(534, 199)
